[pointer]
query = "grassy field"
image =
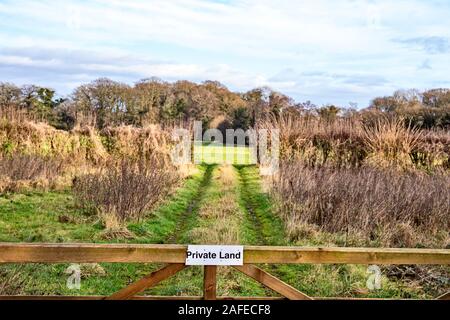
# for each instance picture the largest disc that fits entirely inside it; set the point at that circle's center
(220, 204)
(214, 153)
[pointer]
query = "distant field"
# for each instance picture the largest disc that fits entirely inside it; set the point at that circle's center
(219, 154)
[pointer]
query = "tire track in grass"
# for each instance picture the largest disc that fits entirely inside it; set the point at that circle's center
(189, 281)
(218, 221)
(188, 218)
(220, 215)
(261, 227)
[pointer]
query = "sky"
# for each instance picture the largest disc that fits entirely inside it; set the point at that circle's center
(326, 51)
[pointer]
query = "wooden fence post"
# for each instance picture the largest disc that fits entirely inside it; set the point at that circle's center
(210, 283)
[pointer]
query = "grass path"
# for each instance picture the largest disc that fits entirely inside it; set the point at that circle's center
(189, 217)
(261, 226)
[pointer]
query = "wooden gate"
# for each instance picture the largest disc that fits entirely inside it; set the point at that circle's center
(175, 256)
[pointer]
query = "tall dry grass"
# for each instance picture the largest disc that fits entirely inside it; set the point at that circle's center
(383, 206)
(150, 142)
(26, 137)
(317, 142)
(353, 142)
(12, 113)
(84, 143)
(390, 144)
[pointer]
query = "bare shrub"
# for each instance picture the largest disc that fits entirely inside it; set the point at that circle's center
(125, 190)
(391, 207)
(29, 167)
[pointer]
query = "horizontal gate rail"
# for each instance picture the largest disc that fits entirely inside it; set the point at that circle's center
(135, 253)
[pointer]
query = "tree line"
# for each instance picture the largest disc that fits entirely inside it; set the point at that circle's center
(105, 102)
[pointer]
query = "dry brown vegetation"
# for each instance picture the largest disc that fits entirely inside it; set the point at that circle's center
(22, 172)
(83, 143)
(125, 190)
(355, 141)
(34, 152)
(380, 182)
(387, 207)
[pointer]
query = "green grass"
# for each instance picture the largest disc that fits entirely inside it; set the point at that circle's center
(261, 226)
(220, 154)
(34, 217)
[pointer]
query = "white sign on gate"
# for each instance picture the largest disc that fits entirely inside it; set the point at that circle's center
(215, 255)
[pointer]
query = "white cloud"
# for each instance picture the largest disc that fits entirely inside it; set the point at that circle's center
(87, 65)
(242, 43)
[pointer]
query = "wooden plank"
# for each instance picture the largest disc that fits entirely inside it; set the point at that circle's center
(272, 282)
(445, 296)
(323, 255)
(210, 283)
(91, 253)
(147, 282)
(132, 253)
